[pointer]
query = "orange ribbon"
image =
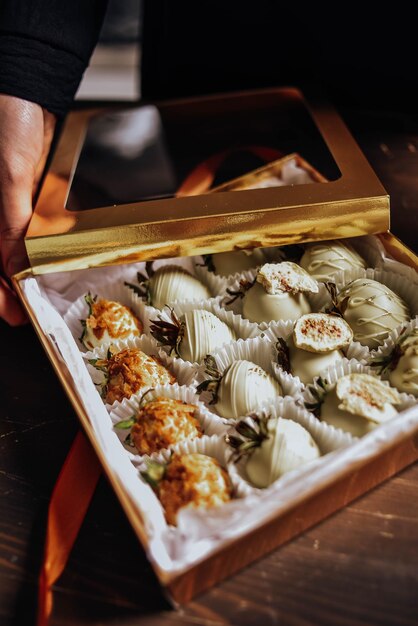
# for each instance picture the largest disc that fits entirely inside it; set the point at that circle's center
(80, 473)
(201, 178)
(68, 506)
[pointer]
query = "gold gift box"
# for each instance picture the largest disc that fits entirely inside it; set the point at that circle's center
(353, 204)
(232, 216)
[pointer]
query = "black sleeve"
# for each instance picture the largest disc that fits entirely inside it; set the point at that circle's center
(45, 46)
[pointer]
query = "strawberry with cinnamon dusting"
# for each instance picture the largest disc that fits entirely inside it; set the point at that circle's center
(132, 370)
(189, 481)
(107, 321)
(163, 422)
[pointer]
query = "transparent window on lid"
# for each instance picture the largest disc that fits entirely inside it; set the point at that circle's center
(242, 142)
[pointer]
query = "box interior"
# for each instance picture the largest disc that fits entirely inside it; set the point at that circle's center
(198, 536)
(146, 152)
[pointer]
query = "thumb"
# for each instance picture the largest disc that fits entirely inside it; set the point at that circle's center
(15, 215)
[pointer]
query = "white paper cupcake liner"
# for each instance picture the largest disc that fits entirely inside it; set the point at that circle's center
(371, 249)
(215, 283)
(113, 290)
(389, 345)
(326, 438)
(214, 447)
(284, 329)
(351, 367)
(210, 423)
(184, 373)
(273, 332)
(243, 329)
(227, 300)
(401, 285)
(400, 268)
(205, 530)
(260, 351)
(318, 300)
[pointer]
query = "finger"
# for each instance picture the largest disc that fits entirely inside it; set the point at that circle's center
(10, 309)
(15, 214)
(49, 124)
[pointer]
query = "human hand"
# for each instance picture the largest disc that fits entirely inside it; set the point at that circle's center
(26, 132)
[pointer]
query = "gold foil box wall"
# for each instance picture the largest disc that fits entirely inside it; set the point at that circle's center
(353, 203)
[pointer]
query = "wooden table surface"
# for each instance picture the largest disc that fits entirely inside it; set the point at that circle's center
(359, 567)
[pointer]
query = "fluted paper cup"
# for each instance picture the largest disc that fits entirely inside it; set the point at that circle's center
(370, 248)
(214, 446)
(216, 282)
(389, 350)
(327, 439)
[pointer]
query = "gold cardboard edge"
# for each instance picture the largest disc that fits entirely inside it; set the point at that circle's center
(274, 533)
(398, 250)
(131, 511)
(148, 220)
(272, 168)
(116, 245)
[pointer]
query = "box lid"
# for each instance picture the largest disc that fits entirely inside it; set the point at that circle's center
(197, 134)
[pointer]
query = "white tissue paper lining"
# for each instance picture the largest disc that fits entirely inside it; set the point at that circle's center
(371, 249)
(387, 346)
(217, 283)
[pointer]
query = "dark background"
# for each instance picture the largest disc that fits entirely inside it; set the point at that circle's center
(363, 63)
(357, 568)
(362, 60)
